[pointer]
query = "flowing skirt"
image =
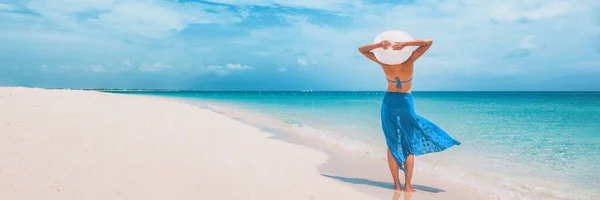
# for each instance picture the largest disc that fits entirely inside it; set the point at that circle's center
(408, 133)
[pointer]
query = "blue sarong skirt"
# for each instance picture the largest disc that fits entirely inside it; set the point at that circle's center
(408, 133)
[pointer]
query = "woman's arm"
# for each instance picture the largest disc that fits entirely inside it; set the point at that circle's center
(421, 43)
(423, 47)
(366, 49)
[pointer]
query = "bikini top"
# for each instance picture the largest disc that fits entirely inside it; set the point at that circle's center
(399, 82)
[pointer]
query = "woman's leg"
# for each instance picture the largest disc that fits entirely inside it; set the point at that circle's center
(409, 165)
(394, 169)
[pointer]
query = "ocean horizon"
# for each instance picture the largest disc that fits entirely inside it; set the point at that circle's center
(515, 144)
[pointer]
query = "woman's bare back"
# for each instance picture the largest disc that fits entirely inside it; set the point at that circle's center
(399, 77)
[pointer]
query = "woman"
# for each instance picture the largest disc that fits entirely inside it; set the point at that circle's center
(406, 133)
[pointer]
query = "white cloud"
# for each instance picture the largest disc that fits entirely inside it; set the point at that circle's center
(527, 42)
(235, 67)
(146, 19)
(517, 10)
(227, 69)
(306, 62)
(219, 70)
(111, 68)
(302, 61)
(153, 19)
(330, 5)
(308, 43)
(525, 48)
(156, 67)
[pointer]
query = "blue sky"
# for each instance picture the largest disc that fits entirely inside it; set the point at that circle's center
(297, 44)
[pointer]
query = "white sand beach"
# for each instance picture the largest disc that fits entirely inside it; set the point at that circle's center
(68, 144)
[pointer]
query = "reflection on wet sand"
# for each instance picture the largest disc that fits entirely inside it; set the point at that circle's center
(397, 195)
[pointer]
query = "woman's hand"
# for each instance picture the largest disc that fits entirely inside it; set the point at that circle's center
(398, 46)
(385, 44)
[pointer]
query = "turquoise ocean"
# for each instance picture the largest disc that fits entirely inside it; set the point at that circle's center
(515, 145)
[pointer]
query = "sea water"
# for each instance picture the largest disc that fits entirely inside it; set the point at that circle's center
(515, 145)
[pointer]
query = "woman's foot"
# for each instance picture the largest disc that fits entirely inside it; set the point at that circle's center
(409, 188)
(398, 187)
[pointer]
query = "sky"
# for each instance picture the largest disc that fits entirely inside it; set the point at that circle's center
(492, 45)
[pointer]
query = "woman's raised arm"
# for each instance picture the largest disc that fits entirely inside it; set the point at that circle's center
(366, 49)
(423, 44)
